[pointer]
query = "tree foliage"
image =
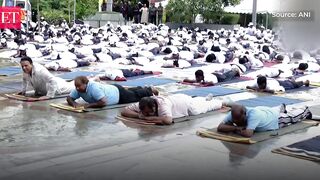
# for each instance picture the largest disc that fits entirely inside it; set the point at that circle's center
(185, 11)
(55, 10)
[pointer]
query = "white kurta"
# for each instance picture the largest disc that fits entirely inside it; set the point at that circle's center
(44, 83)
(144, 15)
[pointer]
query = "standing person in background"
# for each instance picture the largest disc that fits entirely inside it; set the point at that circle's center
(124, 11)
(160, 13)
(130, 11)
(136, 14)
(144, 14)
(153, 14)
(104, 6)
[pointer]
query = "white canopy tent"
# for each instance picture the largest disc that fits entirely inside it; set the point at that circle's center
(262, 7)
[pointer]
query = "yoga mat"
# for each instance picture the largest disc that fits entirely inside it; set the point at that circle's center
(270, 64)
(302, 88)
(72, 75)
(269, 101)
(308, 149)
(196, 84)
(240, 79)
(316, 84)
(214, 90)
(151, 81)
(9, 71)
(257, 136)
(82, 110)
(177, 120)
(8, 87)
(31, 98)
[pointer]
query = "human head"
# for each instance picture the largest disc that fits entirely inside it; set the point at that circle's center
(211, 58)
(303, 66)
(238, 114)
(262, 82)
(26, 64)
(148, 106)
(266, 49)
(243, 60)
(199, 76)
(144, 5)
(81, 83)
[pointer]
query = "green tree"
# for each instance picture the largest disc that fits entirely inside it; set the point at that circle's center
(185, 11)
(55, 10)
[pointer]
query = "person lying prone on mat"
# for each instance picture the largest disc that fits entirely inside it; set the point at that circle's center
(163, 110)
(42, 81)
(98, 95)
(122, 74)
(201, 78)
(245, 121)
(269, 85)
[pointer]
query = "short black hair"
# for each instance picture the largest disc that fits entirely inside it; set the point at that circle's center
(266, 49)
(26, 58)
(303, 66)
(199, 73)
(147, 102)
(243, 60)
(262, 80)
(211, 58)
(167, 50)
(279, 57)
(215, 49)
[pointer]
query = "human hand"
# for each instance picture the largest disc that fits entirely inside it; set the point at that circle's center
(21, 93)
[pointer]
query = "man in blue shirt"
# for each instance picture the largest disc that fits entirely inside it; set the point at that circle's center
(245, 121)
(98, 95)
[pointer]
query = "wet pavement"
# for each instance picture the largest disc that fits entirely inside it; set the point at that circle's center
(40, 142)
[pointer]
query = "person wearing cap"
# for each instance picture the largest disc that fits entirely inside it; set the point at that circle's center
(38, 78)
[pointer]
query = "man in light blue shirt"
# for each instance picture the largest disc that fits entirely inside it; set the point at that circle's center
(246, 121)
(98, 95)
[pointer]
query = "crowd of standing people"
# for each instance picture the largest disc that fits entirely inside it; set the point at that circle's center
(142, 12)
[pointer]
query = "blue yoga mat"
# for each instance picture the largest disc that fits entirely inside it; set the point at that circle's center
(151, 81)
(9, 71)
(303, 88)
(269, 101)
(73, 75)
(214, 90)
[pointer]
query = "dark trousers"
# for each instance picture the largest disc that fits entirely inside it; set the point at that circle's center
(153, 19)
(288, 84)
(227, 76)
(129, 73)
(134, 94)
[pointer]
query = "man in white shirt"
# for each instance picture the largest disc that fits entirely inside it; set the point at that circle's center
(163, 110)
(42, 81)
(270, 85)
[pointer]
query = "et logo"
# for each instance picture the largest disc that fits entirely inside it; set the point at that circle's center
(10, 18)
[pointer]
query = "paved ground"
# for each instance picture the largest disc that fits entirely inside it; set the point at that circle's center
(39, 142)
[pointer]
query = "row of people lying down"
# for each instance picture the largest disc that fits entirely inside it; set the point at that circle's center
(261, 84)
(151, 107)
(47, 86)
